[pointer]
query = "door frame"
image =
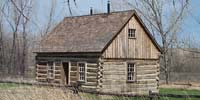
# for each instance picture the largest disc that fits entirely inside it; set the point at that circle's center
(69, 70)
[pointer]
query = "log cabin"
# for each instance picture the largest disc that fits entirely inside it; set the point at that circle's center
(111, 53)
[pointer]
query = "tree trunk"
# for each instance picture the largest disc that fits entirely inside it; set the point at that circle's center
(1, 50)
(165, 59)
(24, 51)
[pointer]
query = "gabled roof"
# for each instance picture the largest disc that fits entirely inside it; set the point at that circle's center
(86, 33)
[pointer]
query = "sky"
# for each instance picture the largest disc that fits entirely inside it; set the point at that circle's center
(190, 28)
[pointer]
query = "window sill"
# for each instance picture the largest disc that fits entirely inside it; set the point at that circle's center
(130, 81)
(82, 82)
(131, 37)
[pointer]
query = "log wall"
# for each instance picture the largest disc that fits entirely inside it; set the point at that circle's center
(92, 68)
(115, 77)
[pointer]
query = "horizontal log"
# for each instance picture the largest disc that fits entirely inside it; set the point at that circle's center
(147, 76)
(89, 87)
(58, 66)
(74, 68)
(57, 70)
(151, 67)
(73, 73)
(94, 70)
(135, 85)
(110, 82)
(41, 65)
(92, 65)
(40, 75)
(90, 84)
(73, 79)
(150, 81)
(91, 79)
(57, 80)
(114, 77)
(58, 77)
(41, 79)
(114, 63)
(115, 68)
(91, 74)
(39, 68)
(143, 72)
(146, 80)
(42, 70)
(111, 72)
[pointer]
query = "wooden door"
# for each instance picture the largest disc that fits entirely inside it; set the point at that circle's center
(66, 73)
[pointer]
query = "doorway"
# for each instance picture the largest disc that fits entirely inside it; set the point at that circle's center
(66, 73)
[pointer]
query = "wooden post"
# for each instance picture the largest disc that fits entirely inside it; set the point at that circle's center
(150, 95)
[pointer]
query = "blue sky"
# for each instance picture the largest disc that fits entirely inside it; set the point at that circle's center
(190, 28)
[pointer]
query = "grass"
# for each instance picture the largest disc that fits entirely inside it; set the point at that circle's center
(25, 92)
(179, 91)
(8, 85)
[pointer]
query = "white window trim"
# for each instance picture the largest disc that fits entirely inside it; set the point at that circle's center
(85, 80)
(69, 72)
(134, 73)
(51, 77)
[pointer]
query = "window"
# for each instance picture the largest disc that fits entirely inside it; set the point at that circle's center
(82, 73)
(50, 69)
(131, 33)
(130, 72)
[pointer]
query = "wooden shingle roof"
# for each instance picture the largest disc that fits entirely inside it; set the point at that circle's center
(89, 33)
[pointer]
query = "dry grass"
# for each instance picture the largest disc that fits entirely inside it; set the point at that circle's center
(10, 91)
(38, 93)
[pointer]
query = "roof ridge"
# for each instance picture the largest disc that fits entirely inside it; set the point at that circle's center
(99, 14)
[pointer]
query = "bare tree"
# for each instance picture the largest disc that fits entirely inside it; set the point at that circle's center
(50, 17)
(1, 47)
(15, 13)
(26, 8)
(165, 18)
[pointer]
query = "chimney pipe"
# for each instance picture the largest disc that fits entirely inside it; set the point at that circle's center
(91, 11)
(108, 7)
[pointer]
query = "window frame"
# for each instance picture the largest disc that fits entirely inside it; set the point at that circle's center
(134, 72)
(85, 72)
(131, 33)
(50, 70)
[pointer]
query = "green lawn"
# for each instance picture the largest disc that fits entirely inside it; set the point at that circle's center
(4, 86)
(179, 91)
(162, 91)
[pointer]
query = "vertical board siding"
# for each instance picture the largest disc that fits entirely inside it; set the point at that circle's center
(139, 47)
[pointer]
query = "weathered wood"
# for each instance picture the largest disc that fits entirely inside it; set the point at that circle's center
(91, 84)
(139, 47)
(94, 70)
(115, 77)
(142, 72)
(91, 79)
(73, 68)
(73, 79)
(92, 74)
(73, 74)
